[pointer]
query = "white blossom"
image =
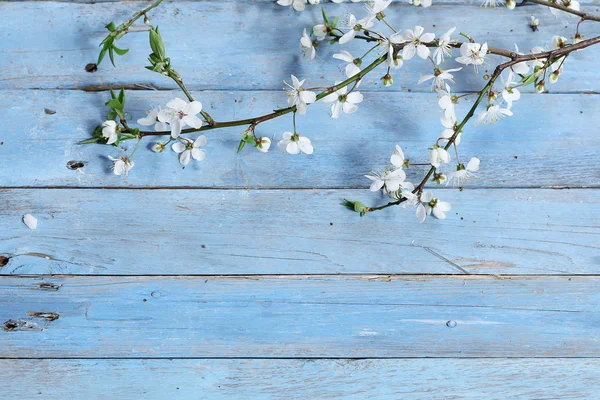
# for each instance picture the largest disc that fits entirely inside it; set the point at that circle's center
(263, 144)
(492, 115)
(351, 68)
(180, 114)
(572, 4)
(152, 119)
(299, 96)
(463, 173)
(423, 3)
(447, 103)
(343, 101)
(394, 60)
(391, 179)
(373, 7)
(415, 39)
(431, 205)
(521, 68)
(509, 93)
(397, 159)
(472, 54)
(298, 5)
(558, 42)
(438, 156)
(293, 143)
(121, 165)
(306, 45)
(449, 125)
(321, 31)
(109, 131)
(444, 47)
(439, 77)
(354, 26)
(188, 149)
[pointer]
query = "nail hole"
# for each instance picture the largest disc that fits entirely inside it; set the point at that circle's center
(49, 111)
(73, 165)
(451, 324)
(91, 67)
(4, 261)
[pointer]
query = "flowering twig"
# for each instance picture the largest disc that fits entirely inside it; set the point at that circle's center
(399, 47)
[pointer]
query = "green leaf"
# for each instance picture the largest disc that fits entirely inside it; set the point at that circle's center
(101, 56)
(156, 44)
(121, 98)
(112, 93)
(325, 16)
(529, 80)
(111, 55)
(112, 115)
(119, 51)
(241, 145)
(335, 22)
(114, 104)
(111, 27)
(88, 141)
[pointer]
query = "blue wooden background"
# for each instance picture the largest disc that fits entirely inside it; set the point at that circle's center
(242, 277)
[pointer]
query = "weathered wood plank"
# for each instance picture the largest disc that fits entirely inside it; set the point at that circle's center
(300, 316)
(539, 146)
(256, 45)
(139, 232)
(426, 379)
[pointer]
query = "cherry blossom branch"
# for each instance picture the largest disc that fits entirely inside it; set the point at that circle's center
(547, 3)
(254, 121)
(551, 56)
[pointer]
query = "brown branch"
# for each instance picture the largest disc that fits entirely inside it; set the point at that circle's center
(547, 3)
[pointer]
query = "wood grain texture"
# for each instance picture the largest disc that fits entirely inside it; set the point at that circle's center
(425, 379)
(250, 45)
(124, 232)
(537, 147)
(302, 316)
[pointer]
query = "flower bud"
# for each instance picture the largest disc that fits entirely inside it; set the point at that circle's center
(159, 147)
(540, 86)
(534, 23)
(263, 144)
(554, 77)
(387, 80)
(578, 38)
(146, 20)
(511, 4)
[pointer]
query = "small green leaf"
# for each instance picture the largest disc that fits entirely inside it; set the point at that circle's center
(335, 22)
(325, 16)
(88, 141)
(241, 145)
(121, 98)
(529, 80)
(114, 104)
(111, 27)
(112, 115)
(111, 55)
(119, 51)
(156, 43)
(101, 56)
